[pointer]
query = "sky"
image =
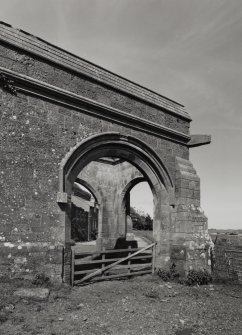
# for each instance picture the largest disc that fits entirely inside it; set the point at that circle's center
(187, 50)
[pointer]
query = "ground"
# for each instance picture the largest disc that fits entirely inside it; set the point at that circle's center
(142, 305)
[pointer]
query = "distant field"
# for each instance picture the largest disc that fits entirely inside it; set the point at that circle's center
(225, 231)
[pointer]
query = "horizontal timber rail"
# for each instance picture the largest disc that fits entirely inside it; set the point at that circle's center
(110, 260)
(235, 251)
(95, 266)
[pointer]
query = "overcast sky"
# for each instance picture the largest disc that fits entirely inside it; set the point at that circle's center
(187, 50)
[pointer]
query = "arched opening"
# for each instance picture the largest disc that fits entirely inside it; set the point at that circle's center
(138, 205)
(121, 153)
(84, 214)
(142, 207)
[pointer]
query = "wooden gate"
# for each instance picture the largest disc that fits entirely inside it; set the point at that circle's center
(110, 264)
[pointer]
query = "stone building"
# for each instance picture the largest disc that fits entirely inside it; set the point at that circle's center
(84, 216)
(66, 121)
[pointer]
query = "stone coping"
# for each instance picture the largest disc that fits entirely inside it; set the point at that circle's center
(43, 49)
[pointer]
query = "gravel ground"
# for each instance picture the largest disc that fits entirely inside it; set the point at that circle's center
(142, 305)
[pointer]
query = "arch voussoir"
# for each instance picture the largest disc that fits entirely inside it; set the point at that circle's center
(139, 155)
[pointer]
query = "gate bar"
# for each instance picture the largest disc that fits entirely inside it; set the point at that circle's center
(99, 271)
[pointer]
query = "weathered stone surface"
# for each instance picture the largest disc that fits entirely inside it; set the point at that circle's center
(110, 184)
(48, 52)
(227, 257)
(32, 293)
(61, 109)
(197, 140)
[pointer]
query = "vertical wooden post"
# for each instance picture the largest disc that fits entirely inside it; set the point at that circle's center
(72, 266)
(103, 264)
(153, 259)
(129, 261)
(89, 219)
(127, 211)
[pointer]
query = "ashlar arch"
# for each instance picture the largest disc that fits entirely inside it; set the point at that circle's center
(113, 144)
(137, 153)
(91, 189)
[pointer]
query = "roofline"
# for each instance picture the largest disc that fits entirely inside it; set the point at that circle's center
(183, 114)
(96, 65)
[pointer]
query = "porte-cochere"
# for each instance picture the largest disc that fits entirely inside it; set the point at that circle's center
(75, 139)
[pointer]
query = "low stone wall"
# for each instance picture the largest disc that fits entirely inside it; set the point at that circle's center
(227, 265)
(29, 259)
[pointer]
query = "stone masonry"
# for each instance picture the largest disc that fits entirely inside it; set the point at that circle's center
(58, 114)
(228, 257)
(111, 183)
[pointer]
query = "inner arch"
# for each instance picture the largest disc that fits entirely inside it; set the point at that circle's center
(139, 155)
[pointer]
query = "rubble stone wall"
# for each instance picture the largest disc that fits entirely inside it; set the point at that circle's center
(46, 108)
(228, 257)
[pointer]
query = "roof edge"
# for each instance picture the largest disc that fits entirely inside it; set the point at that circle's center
(35, 45)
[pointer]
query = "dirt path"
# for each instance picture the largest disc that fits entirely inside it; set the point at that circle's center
(143, 305)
